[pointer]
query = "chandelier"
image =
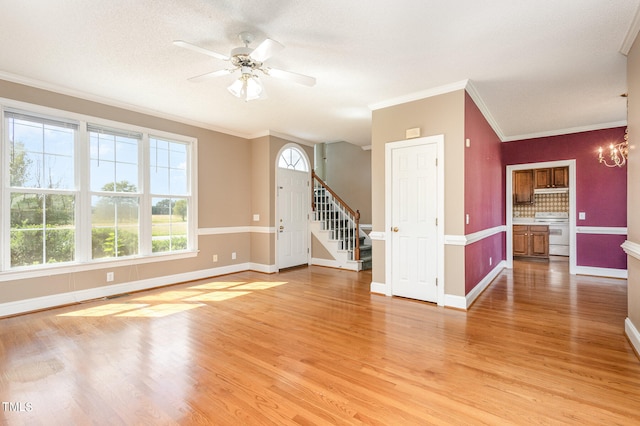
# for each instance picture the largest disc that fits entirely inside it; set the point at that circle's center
(617, 153)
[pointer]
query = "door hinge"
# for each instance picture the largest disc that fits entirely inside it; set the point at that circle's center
(436, 282)
(436, 161)
(436, 221)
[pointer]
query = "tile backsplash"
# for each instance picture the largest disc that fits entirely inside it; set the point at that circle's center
(543, 203)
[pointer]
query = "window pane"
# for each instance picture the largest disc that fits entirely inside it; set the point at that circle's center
(60, 245)
(101, 175)
(168, 224)
(60, 211)
(159, 180)
(127, 150)
(114, 162)
(168, 165)
(291, 158)
(26, 210)
(57, 169)
(26, 247)
(114, 226)
(126, 177)
(178, 182)
(42, 229)
(41, 155)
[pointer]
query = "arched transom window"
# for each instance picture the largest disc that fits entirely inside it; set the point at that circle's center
(292, 159)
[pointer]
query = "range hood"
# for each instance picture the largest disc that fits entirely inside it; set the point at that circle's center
(551, 191)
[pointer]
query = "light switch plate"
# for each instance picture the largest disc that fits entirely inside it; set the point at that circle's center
(582, 215)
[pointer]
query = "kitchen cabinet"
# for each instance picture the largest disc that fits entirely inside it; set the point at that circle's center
(531, 241)
(556, 177)
(523, 187)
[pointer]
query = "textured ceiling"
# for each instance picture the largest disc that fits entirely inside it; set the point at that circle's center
(536, 67)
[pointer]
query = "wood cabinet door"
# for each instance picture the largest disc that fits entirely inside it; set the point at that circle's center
(523, 187)
(539, 243)
(542, 178)
(560, 177)
(520, 240)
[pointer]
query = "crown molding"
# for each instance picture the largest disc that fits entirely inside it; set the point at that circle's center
(281, 136)
(632, 33)
(475, 95)
(560, 132)
(440, 90)
(38, 84)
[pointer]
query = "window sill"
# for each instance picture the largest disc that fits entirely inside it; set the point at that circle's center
(67, 268)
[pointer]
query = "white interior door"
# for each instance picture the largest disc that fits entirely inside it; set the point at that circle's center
(414, 212)
(293, 220)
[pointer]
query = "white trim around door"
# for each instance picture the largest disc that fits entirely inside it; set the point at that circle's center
(389, 147)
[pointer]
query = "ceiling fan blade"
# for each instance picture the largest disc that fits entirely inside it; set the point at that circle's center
(187, 45)
(265, 50)
(210, 75)
(292, 76)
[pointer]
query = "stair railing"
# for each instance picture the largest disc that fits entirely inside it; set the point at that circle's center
(328, 207)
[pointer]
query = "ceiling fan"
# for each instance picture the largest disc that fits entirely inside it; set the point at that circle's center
(248, 61)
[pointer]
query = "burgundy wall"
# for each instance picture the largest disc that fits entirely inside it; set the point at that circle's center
(484, 194)
(601, 192)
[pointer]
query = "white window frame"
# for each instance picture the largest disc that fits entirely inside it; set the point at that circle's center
(83, 259)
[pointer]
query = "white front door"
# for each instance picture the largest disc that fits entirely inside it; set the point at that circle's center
(414, 212)
(292, 225)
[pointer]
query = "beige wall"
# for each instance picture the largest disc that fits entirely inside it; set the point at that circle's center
(348, 173)
(225, 199)
(633, 177)
(443, 114)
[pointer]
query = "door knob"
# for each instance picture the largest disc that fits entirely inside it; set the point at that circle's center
(281, 227)
(395, 229)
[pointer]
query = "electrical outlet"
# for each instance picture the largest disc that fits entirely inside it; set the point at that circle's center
(215, 257)
(110, 276)
(467, 219)
(233, 255)
(490, 261)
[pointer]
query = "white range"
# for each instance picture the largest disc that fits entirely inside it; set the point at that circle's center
(558, 231)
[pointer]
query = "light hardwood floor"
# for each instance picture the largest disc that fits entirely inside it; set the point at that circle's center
(313, 346)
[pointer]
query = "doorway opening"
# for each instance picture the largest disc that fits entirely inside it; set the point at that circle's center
(534, 215)
(293, 175)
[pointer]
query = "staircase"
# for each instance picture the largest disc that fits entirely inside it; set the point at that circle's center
(336, 226)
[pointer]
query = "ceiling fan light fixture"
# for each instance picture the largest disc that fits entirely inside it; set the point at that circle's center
(248, 87)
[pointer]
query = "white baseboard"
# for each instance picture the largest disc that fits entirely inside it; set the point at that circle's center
(601, 272)
(265, 269)
(71, 297)
(332, 263)
(457, 302)
(380, 288)
(632, 333)
(484, 283)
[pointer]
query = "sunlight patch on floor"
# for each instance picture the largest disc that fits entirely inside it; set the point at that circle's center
(217, 285)
(105, 310)
(217, 296)
(190, 298)
(168, 296)
(162, 310)
(258, 285)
